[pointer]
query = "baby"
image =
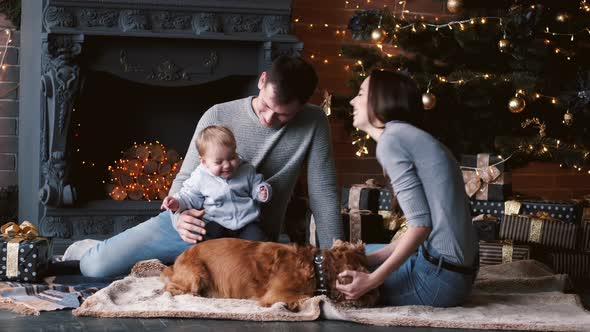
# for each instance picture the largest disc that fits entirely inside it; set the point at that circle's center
(227, 187)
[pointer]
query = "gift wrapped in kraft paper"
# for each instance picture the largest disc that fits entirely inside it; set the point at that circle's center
(539, 229)
(25, 254)
(486, 177)
(366, 226)
(362, 196)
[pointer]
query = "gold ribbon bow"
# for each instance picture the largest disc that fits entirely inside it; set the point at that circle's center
(477, 181)
(26, 231)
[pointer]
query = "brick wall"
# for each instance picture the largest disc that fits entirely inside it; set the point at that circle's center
(9, 78)
(539, 179)
(546, 180)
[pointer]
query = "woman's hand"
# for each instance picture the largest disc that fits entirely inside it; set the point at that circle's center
(360, 284)
(190, 228)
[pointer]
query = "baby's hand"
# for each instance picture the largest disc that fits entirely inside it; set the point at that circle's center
(170, 203)
(263, 194)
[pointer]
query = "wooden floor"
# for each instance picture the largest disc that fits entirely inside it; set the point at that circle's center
(65, 321)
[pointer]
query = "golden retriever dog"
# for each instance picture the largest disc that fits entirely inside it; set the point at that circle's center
(268, 272)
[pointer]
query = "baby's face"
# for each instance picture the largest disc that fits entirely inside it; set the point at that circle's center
(221, 160)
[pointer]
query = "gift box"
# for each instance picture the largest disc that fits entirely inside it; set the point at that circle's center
(486, 177)
(563, 210)
(386, 199)
(494, 208)
(367, 227)
(25, 255)
(361, 197)
(541, 230)
(501, 252)
(574, 264)
(487, 227)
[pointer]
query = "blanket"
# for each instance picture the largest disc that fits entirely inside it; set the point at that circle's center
(523, 295)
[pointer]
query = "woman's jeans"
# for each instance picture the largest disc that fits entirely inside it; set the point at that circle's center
(155, 238)
(420, 282)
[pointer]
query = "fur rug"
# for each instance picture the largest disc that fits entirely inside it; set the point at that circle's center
(523, 295)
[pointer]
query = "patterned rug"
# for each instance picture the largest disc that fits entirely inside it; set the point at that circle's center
(54, 294)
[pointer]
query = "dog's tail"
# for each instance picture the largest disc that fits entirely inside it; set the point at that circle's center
(167, 273)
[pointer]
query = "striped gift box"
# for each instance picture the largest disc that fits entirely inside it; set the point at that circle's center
(576, 265)
(585, 244)
(501, 252)
(529, 229)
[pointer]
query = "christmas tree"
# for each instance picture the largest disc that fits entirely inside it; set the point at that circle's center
(510, 77)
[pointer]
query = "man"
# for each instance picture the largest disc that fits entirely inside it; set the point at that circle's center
(276, 132)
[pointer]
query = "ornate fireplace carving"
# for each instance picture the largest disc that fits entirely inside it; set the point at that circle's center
(207, 41)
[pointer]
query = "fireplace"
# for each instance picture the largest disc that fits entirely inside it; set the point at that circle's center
(111, 73)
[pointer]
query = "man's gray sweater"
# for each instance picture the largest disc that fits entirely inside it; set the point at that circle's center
(279, 154)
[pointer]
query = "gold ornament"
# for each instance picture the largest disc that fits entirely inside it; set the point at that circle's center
(454, 6)
(516, 104)
(568, 118)
(378, 35)
(562, 17)
(429, 100)
(503, 44)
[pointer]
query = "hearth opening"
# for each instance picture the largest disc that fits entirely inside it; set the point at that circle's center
(113, 114)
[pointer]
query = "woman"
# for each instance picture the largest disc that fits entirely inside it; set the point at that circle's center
(433, 263)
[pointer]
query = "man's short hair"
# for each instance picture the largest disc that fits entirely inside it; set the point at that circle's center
(216, 136)
(293, 79)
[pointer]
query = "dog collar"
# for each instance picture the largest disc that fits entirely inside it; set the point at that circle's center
(318, 262)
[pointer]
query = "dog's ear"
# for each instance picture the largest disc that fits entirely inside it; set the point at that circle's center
(338, 244)
(358, 247)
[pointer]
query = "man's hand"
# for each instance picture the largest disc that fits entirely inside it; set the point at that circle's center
(190, 228)
(170, 203)
(263, 194)
(360, 284)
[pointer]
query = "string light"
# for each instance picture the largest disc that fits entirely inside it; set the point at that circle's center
(436, 25)
(8, 40)
(146, 173)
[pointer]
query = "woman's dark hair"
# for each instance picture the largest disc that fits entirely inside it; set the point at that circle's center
(293, 78)
(394, 96)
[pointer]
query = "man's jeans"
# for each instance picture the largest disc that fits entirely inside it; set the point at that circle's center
(154, 238)
(419, 282)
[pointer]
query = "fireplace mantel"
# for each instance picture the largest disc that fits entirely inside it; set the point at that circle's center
(220, 19)
(164, 43)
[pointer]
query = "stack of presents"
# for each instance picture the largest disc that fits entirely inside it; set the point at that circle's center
(510, 227)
